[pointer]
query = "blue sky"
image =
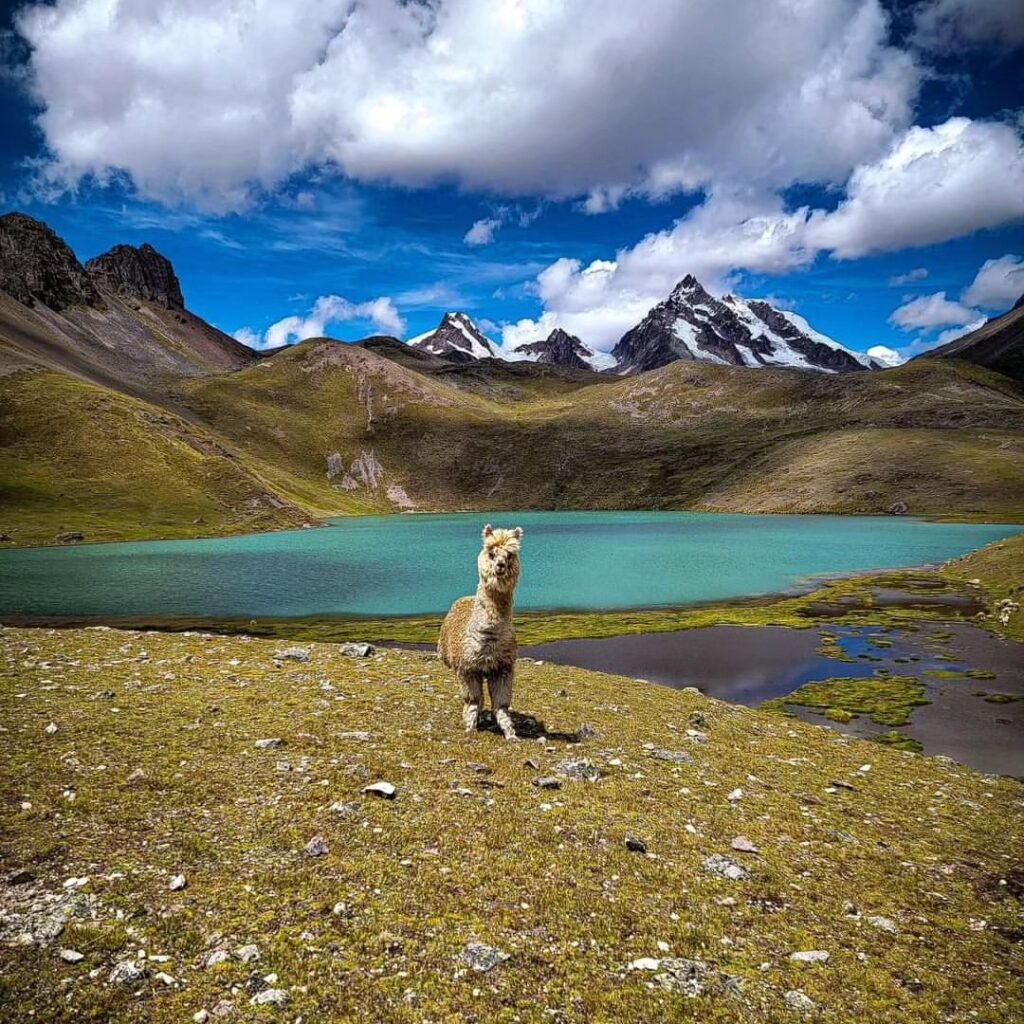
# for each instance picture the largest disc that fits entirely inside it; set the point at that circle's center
(877, 162)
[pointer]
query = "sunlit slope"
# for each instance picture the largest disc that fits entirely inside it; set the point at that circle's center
(75, 457)
(326, 429)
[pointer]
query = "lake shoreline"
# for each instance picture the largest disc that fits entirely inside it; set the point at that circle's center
(326, 522)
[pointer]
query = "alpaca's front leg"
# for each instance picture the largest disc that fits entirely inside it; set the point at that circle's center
(500, 686)
(473, 695)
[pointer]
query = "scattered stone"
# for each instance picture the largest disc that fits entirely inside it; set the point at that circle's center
(716, 864)
(696, 736)
(218, 956)
(177, 883)
(224, 1008)
(799, 1001)
(645, 963)
(581, 769)
(201, 1016)
(164, 977)
(317, 847)
(357, 737)
(810, 956)
(735, 796)
(635, 844)
(587, 732)
(70, 537)
(885, 924)
(50, 729)
(343, 808)
(357, 650)
(547, 782)
(382, 789)
(127, 972)
(480, 769)
(694, 978)
(270, 744)
(673, 756)
(483, 958)
(71, 956)
(136, 776)
(248, 953)
(532, 763)
(744, 845)
(270, 997)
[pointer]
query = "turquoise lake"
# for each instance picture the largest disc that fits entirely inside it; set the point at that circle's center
(412, 564)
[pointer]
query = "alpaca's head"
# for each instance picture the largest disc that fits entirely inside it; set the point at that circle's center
(498, 561)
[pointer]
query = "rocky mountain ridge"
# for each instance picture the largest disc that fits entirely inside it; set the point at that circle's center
(456, 339)
(560, 348)
(693, 325)
(139, 273)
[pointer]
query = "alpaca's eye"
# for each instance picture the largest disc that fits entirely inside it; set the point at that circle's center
(490, 554)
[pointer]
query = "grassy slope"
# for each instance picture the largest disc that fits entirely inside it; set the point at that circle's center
(944, 437)
(1000, 568)
(78, 457)
(462, 855)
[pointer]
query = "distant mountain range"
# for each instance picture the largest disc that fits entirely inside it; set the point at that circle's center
(689, 325)
(123, 415)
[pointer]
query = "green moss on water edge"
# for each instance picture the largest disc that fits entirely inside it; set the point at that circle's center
(1002, 698)
(897, 740)
(887, 701)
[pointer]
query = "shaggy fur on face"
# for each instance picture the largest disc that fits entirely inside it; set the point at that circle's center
(498, 561)
(477, 638)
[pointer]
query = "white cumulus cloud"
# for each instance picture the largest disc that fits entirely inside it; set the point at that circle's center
(328, 309)
(210, 101)
(482, 231)
(930, 312)
(998, 284)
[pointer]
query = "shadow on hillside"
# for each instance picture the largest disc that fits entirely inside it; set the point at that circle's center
(528, 727)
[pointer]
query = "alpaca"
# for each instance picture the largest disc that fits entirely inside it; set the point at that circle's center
(477, 638)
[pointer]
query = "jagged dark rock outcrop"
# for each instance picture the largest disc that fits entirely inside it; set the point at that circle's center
(560, 348)
(693, 325)
(138, 273)
(456, 339)
(38, 266)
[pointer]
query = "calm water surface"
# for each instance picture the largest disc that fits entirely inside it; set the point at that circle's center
(752, 664)
(418, 564)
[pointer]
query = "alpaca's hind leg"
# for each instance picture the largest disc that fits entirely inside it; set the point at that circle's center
(500, 686)
(472, 694)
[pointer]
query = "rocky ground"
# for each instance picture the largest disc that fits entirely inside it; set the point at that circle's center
(202, 827)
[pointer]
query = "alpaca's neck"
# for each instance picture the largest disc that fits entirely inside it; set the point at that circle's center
(494, 605)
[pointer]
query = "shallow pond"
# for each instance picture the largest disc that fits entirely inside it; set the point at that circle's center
(752, 664)
(418, 564)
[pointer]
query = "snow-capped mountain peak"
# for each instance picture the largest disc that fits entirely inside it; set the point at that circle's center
(693, 325)
(560, 348)
(456, 338)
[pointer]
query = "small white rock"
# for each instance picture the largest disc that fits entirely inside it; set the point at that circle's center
(735, 796)
(645, 963)
(50, 729)
(71, 956)
(176, 883)
(201, 1016)
(810, 956)
(382, 789)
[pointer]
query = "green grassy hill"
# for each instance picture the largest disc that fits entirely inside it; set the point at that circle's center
(329, 429)
(902, 872)
(75, 457)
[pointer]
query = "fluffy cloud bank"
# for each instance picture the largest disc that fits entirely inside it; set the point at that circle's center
(999, 283)
(328, 309)
(208, 101)
(931, 311)
(932, 184)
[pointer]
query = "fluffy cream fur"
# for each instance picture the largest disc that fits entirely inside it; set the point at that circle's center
(477, 638)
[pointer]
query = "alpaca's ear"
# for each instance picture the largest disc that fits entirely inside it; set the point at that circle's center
(517, 532)
(488, 530)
